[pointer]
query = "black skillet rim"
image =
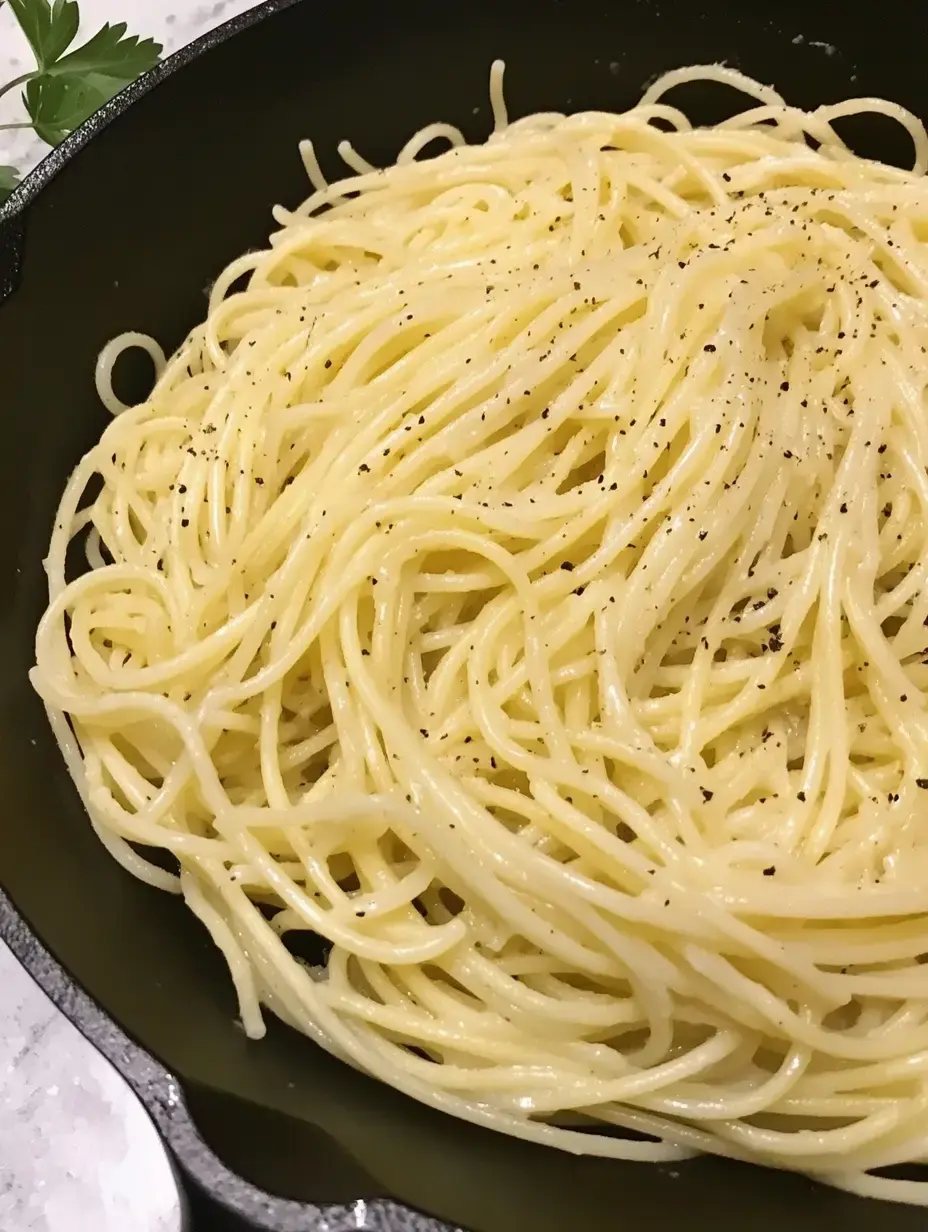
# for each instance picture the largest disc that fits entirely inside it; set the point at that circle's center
(160, 1093)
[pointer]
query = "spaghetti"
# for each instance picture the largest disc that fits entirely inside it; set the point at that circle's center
(521, 586)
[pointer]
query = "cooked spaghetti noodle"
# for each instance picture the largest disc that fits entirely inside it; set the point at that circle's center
(521, 586)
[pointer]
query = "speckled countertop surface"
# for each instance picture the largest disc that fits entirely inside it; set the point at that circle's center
(77, 1151)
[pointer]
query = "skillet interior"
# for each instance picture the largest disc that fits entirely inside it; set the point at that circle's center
(127, 235)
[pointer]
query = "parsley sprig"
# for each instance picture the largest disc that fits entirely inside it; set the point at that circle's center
(67, 86)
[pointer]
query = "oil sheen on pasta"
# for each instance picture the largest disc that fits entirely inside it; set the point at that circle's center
(522, 586)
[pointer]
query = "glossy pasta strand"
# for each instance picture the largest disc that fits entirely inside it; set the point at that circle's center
(521, 587)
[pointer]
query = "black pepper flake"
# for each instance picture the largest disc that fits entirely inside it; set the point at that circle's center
(922, 783)
(784, 385)
(567, 566)
(710, 346)
(706, 794)
(328, 363)
(703, 534)
(769, 872)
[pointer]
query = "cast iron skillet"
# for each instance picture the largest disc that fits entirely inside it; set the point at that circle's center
(123, 228)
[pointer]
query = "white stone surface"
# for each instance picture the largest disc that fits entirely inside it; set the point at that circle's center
(77, 1151)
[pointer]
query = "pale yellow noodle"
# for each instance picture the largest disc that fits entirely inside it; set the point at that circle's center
(521, 586)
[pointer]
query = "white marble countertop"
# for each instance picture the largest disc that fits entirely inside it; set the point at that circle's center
(77, 1151)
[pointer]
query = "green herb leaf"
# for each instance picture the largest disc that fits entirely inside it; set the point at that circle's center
(49, 27)
(70, 86)
(111, 54)
(9, 178)
(58, 105)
